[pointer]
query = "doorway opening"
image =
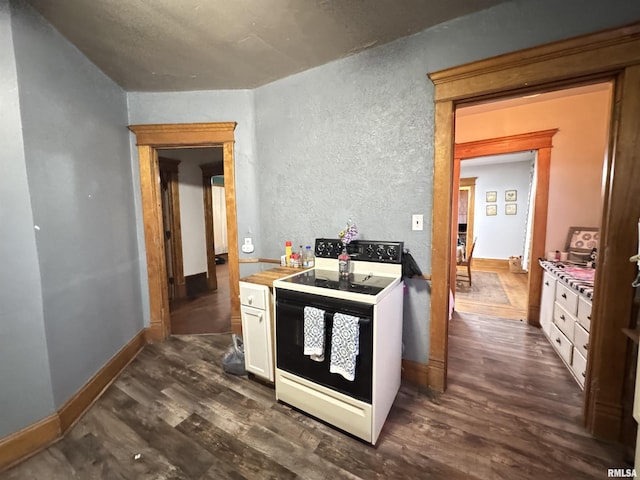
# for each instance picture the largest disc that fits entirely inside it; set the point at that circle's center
(605, 56)
(152, 139)
(196, 247)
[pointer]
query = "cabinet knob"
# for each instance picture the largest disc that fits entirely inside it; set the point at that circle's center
(584, 374)
(585, 346)
(562, 317)
(564, 295)
(546, 283)
(558, 341)
(250, 300)
(588, 317)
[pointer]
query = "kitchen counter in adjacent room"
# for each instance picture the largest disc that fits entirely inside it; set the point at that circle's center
(577, 278)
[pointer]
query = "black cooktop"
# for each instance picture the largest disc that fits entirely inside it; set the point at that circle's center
(356, 283)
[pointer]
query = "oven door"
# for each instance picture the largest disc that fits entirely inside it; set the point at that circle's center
(290, 341)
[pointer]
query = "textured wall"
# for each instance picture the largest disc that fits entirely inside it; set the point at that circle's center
(348, 140)
(25, 392)
(207, 106)
(354, 138)
(78, 167)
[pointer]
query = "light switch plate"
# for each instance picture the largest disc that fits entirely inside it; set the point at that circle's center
(417, 222)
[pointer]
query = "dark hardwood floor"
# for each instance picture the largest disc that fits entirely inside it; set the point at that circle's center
(208, 313)
(511, 411)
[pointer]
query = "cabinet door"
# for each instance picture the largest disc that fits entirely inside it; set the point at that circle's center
(547, 300)
(256, 335)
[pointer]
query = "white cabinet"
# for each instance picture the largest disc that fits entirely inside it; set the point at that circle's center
(255, 309)
(547, 300)
(565, 318)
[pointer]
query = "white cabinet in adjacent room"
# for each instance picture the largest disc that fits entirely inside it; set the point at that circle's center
(255, 309)
(547, 300)
(565, 318)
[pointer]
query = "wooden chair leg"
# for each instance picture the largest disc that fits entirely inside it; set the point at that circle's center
(469, 272)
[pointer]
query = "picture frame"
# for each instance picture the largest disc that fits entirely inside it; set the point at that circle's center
(492, 210)
(511, 209)
(510, 195)
(491, 196)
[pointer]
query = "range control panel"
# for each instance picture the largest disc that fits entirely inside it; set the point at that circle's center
(361, 250)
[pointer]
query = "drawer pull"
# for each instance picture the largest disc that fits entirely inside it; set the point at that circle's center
(564, 295)
(558, 341)
(585, 346)
(588, 317)
(250, 300)
(546, 283)
(562, 317)
(584, 374)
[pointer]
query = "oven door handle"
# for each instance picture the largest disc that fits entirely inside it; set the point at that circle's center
(327, 315)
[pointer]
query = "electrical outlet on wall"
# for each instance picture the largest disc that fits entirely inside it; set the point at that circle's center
(248, 247)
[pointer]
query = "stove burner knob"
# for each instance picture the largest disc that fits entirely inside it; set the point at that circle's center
(392, 253)
(370, 251)
(380, 252)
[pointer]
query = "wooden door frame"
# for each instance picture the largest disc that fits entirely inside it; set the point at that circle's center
(150, 138)
(208, 171)
(542, 141)
(470, 184)
(609, 55)
(172, 167)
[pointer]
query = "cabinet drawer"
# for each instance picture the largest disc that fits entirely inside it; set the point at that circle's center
(567, 298)
(584, 313)
(581, 339)
(564, 320)
(254, 295)
(561, 344)
(579, 366)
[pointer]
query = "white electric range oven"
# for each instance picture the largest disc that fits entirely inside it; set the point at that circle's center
(373, 296)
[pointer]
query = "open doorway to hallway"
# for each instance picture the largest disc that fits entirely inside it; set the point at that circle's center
(505, 189)
(489, 235)
(195, 228)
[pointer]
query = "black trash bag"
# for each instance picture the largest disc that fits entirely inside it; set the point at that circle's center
(409, 266)
(233, 360)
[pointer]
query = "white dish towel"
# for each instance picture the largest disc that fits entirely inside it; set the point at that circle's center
(345, 341)
(314, 333)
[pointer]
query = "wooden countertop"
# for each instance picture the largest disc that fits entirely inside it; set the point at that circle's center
(266, 277)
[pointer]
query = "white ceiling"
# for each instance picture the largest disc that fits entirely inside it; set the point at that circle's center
(177, 45)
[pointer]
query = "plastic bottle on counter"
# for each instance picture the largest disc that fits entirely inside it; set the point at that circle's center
(309, 258)
(287, 252)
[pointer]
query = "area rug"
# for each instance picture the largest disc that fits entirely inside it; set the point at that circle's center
(486, 287)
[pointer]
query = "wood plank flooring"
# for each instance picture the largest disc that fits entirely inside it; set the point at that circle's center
(208, 313)
(511, 411)
(515, 287)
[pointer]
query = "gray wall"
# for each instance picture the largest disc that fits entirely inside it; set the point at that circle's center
(206, 106)
(79, 172)
(354, 138)
(25, 392)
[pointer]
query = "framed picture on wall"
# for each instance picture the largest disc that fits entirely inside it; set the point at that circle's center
(510, 195)
(491, 196)
(511, 209)
(492, 210)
